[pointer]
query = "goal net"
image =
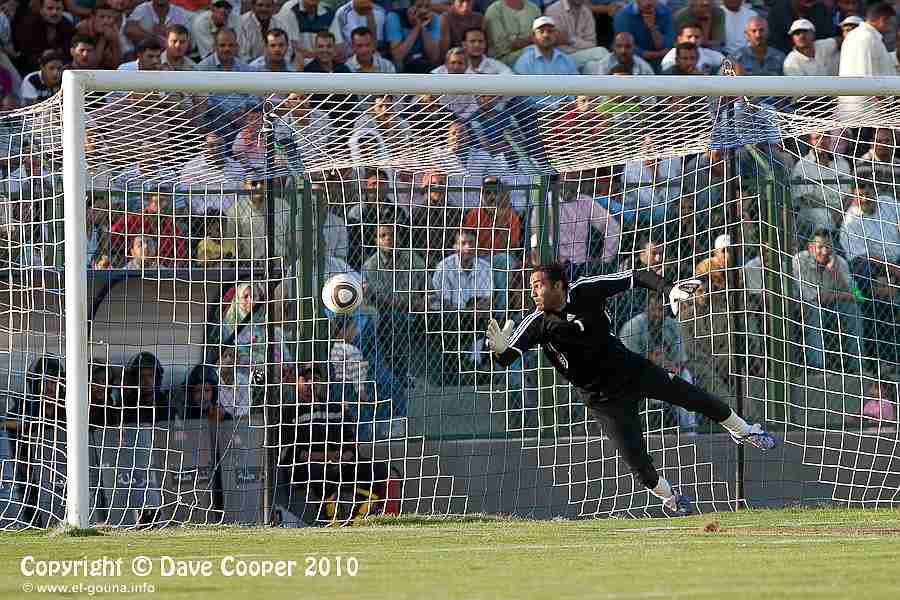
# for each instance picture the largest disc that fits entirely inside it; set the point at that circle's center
(200, 379)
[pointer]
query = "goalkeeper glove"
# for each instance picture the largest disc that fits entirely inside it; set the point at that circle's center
(682, 291)
(498, 339)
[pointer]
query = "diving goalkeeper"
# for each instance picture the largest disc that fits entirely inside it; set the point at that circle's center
(572, 326)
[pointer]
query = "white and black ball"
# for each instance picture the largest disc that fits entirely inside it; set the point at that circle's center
(342, 294)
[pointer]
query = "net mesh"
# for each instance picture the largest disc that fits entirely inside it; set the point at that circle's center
(222, 390)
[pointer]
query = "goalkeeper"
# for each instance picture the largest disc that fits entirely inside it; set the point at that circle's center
(572, 326)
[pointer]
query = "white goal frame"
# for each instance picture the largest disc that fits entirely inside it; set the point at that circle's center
(76, 84)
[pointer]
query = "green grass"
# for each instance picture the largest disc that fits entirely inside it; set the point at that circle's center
(795, 553)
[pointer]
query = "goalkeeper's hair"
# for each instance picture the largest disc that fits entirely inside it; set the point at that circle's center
(554, 272)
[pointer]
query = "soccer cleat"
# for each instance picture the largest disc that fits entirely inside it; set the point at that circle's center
(756, 437)
(679, 504)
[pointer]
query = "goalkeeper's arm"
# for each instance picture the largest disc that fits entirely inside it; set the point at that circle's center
(509, 342)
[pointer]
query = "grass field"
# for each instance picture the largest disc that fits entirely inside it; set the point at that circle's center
(797, 553)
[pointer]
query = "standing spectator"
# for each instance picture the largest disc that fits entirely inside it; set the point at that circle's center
(811, 56)
(508, 24)
(687, 57)
(757, 57)
(786, 12)
(691, 33)
(711, 20)
(83, 52)
(623, 55)
(824, 181)
(103, 26)
(38, 32)
(178, 42)
(826, 288)
(148, 57)
(302, 20)
(274, 59)
(245, 221)
(354, 15)
(576, 31)
(44, 83)
(475, 46)
(457, 21)
(650, 23)
(365, 59)
(149, 20)
(414, 37)
(864, 54)
(255, 25)
(206, 25)
(543, 58)
(737, 16)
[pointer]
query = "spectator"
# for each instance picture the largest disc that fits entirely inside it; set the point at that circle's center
(454, 64)
(414, 37)
(325, 60)
(211, 177)
(245, 221)
(811, 56)
(508, 24)
(757, 57)
(880, 165)
(207, 24)
(358, 14)
(351, 374)
(458, 20)
(142, 252)
(708, 61)
(44, 83)
(202, 396)
(38, 32)
(396, 277)
(434, 221)
(103, 27)
(870, 232)
(687, 58)
(848, 25)
(178, 43)
(385, 120)
(824, 182)
(847, 8)
(829, 304)
(149, 55)
(464, 106)
(227, 106)
(543, 58)
(148, 21)
(83, 52)
(302, 20)
(475, 45)
(45, 398)
(783, 14)
(143, 400)
(305, 131)
(376, 207)
(255, 24)
(709, 19)
(234, 385)
(864, 53)
(365, 59)
(244, 331)
(249, 146)
(650, 24)
(274, 59)
(576, 31)
(737, 16)
(651, 182)
(213, 250)
(623, 55)
(154, 221)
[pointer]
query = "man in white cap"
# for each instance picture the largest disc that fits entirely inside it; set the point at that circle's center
(811, 56)
(576, 31)
(542, 57)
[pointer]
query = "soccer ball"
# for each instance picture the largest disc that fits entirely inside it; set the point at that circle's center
(342, 294)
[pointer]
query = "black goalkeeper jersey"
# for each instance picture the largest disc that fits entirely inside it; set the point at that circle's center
(578, 340)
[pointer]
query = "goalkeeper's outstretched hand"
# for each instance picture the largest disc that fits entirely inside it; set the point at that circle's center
(682, 291)
(498, 339)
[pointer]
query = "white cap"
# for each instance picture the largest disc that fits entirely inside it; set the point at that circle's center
(801, 25)
(852, 20)
(541, 21)
(723, 241)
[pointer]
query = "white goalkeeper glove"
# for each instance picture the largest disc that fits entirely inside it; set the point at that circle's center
(498, 339)
(681, 291)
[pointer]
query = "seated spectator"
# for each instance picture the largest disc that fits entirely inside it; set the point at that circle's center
(249, 147)
(142, 252)
(305, 131)
(149, 54)
(235, 389)
(302, 20)
(783, 14)
(149, 20)
(829, 304)
(711, 20)
(650, 24)
(462, 105)
(508, 24)
(757, 57)
(45, 397)
(326, 56)
(651, 184)
(211, 177)
(543, 58)
(365, 59)
(413, 35)
(376, 207)
(255, 23)
(8, 51)
(201, 399)
(692, 33)
(385, 118)
(475, 45)
(274, 58)
(206, 25)
(687, 59)
(224, 58)
(106, 395)
(156, 221)
(213, 250)
(880, 165)
(143, 401)
(809, 55)
(491, 123)
(737, 15)
(144, 175)
(576, 31)
(458, 20)
(396, 277)
(358, 14)
(41, 31)
(825, 179)
(462, 281)
(178, 43)
(849, 24)
(103, 27)
(245, 222)
(44, 83)
(623, 55)
(870, 234)
(434, 221)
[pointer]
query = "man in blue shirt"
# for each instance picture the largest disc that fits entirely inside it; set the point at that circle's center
(651, 25)
(542, 57)
(758, 57)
